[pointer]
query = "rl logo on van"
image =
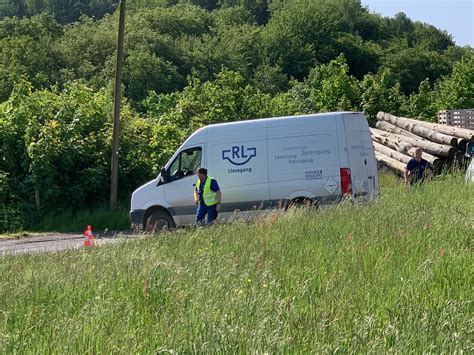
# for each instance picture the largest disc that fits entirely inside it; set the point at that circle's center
(239, 155)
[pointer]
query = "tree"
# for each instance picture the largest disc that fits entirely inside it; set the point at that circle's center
(380, 92)
(227, 98)
(413, 65)
(401, 26)
(207, 4)
(65, 11)
(236, 48)
(270, 79)
(288, 52)
(145, 72)
(431, 38)
(306, 24)
(329, 87)
(421, 104)
(19, 9)
(231, 17)
(457, 90)
(87, 51)
(362, 57)
(259, 8)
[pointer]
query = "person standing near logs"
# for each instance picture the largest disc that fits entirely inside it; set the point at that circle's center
(417, 169)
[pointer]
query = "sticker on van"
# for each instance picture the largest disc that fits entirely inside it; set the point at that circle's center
(331, 185)
(239, 155)
(313, 174)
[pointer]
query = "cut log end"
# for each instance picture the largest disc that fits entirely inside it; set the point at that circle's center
(454, 142)
(462, 144)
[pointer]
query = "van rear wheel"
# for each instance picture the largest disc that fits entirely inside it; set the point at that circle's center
(303, 202)
(159, 221)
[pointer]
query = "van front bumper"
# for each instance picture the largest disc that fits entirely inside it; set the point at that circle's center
(137, 216)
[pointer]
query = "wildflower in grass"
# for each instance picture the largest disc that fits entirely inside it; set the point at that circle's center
(249, 280)
(239, 291)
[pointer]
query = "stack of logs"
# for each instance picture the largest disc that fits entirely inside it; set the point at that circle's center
(396, 138)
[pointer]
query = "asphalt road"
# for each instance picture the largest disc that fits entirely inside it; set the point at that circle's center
(55, 242)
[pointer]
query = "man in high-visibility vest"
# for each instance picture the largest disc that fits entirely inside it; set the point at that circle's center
(207, 196)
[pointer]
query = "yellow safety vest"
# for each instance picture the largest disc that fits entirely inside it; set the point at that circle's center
(209, 196)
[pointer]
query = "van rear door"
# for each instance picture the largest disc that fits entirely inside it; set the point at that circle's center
(361, 155)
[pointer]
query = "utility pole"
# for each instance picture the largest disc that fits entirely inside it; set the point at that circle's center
(117, 99)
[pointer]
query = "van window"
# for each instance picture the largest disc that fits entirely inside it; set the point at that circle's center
(185, 164)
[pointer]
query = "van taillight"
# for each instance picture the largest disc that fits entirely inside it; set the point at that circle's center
(346, 185)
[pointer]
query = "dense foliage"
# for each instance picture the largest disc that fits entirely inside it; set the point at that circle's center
(189, 63)
(63, 10)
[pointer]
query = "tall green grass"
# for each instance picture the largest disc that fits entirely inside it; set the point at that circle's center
(102, 218)
(393, 276)
(16, 222)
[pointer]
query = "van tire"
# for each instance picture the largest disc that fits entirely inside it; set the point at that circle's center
(303, 202)
(159, 221)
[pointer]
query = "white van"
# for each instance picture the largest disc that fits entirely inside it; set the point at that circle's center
(263, 163)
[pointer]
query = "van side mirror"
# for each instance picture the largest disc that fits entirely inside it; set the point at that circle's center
(164, 175)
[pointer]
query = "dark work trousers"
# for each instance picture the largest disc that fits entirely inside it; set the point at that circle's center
(203, 210)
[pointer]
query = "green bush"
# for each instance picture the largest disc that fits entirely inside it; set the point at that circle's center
(57, 144)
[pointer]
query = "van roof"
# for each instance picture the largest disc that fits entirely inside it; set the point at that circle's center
(259, 123)
(311, 115)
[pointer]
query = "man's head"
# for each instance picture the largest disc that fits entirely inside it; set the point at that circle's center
(418, 154)
(202, 174)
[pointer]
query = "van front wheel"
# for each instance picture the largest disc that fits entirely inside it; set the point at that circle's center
(159, 221)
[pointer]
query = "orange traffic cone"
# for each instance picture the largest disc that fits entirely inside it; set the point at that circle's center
(88, 237)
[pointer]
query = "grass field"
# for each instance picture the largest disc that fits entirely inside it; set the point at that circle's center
(397, 275)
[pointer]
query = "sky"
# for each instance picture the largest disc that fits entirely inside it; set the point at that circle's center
(454, 16)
